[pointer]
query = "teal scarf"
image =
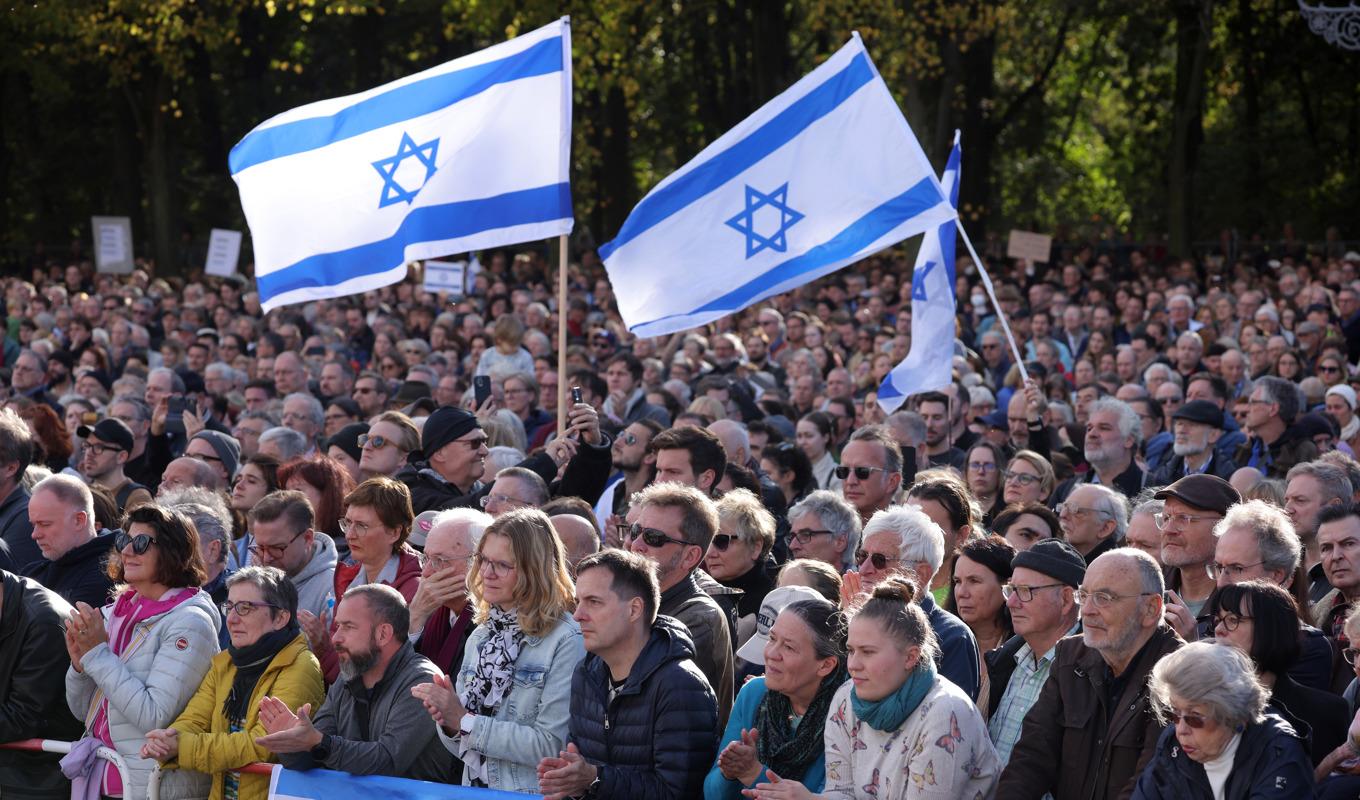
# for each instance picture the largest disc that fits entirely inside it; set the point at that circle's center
(889, 713)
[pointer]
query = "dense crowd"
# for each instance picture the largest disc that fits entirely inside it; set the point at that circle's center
(353, 534)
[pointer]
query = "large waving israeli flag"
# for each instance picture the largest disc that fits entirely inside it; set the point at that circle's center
(930, 363)
(825, 174)
(341, 194)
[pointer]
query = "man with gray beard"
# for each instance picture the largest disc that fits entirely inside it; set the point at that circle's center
(1198, 425)
(1113, 433)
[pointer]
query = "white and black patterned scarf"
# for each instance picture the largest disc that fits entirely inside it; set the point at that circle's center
(489, 684)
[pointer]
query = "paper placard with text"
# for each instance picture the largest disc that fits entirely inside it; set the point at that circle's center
(224, 252)
(112, 244)
(1033, 247)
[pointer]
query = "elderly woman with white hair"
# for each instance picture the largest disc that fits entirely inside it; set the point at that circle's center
(1340, 402)
(1220, 741)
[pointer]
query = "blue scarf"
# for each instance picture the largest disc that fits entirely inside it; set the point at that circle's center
(889, 713)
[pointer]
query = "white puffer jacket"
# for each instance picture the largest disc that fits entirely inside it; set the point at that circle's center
(166, 661)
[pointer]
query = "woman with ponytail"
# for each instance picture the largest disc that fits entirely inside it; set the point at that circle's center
(777, 721)
(897, 729)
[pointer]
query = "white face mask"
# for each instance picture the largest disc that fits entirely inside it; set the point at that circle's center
(979, 300)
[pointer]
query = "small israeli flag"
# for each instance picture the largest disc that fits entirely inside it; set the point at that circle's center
(341, 194)
(930, 363)
(823, 175)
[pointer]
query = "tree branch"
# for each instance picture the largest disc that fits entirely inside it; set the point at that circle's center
(1037, 85)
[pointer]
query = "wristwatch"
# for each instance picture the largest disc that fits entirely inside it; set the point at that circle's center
(323, 750)
(592, 791)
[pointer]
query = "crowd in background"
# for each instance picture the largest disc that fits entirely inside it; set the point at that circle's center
(353, 534)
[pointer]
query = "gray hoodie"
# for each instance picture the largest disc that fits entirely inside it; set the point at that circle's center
(316, 582)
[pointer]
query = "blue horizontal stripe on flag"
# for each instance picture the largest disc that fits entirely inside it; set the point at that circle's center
(426, 224)
(320, 784)
(717, 171)
(402, 103)
(858, 235)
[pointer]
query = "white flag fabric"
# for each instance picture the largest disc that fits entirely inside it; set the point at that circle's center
(930, 362)
(341, 194)
(821, 176)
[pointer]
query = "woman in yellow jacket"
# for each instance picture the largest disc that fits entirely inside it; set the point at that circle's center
(268, 656)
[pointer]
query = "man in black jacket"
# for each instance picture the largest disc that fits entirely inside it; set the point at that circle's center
(644, 722)
(16, 453)
(33, 662)
(74, 555)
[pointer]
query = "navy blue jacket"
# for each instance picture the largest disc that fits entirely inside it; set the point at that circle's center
(1271, 762)
(79, 575)
(659, 736)
(959, 660)
(16, 530)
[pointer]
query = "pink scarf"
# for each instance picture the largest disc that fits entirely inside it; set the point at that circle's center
(128, 610)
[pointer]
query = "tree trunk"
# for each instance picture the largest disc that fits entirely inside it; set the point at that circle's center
(1251, 116)
(160, 191)
(1193, 25)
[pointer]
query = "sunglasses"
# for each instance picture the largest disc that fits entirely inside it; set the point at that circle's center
(140, 543)
(1195, 721)
(861, 473)
(377, 442)
(653, 537)
(723, 541)
(879, 560)
(628, 438)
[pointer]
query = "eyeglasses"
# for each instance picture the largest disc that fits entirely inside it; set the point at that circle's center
(879, 560)
(981, 466)
(1022, 478)
(861, 473)
(376, 442)
(1102, 599)
(243, 608)
(474, 443)
(1350, 653)
(1169, 401)
(1195, 721)
(358, 528)
(101, 449)
(723, 541)
(1163, 520)
(1329, 370)
(1229, 621)
(502, 499)
(276, 551)
(1025, 593)
(628, 438)
(1078, 511)
(439, 564)
(652, 537)
(493, 566)
(1214, 569)
(140, 543)
(804, 537)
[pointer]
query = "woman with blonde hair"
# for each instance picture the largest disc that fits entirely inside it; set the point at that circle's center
(508, 708)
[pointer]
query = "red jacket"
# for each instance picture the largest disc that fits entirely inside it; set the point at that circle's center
(408, 580)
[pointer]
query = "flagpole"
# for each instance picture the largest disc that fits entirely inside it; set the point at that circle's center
(1000, 315)
(562, 334)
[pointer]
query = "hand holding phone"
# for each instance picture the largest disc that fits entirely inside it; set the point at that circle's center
(481, 390)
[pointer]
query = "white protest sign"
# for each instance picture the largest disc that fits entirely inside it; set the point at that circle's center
(112, 244)
(224, 252)
(445, 276)
(1033, 247)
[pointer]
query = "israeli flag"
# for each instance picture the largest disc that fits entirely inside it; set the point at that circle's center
(929, 365)
(823, 175)
(324, 784)
(341, 194)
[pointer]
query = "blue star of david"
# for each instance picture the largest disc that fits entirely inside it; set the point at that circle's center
(918, 281)
(394, 192)
(745, 221)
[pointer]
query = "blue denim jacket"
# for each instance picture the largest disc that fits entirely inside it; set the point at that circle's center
(532, 722)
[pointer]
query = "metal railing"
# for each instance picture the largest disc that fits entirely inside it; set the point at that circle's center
(55, 746)
(153, 783)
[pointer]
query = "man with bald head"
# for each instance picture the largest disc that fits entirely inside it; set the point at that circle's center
(441, 616)
(290, 374)
(579, 537)
(185, 471)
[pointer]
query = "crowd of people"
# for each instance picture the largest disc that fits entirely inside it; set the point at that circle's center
(354, 535)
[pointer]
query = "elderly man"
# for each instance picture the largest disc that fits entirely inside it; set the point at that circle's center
(133, 412)
(1257, 542)
(903, 540)
(1189, 354)
(212, 520)
(521, 398)
(282, 536)
(371, 723)
(219, 450)
(826, 528)
(33, 665)
(441, 616)
(16, 453)
(1041, 598)
(579, 536)
(303, 413)
(515, 487)
(250, 426)
(1310, 488)
(1193, 506)
(1272, 446)
(1091, 731)
(674, 528)
(1142, 533)
(184, 472)
(870, 470)
(1113, 433)
(74, 553)
(1198, 425)
(1094, 519)
(290, 374)
(282, 443)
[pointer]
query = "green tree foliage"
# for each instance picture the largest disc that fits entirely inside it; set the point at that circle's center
(1099, 117)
